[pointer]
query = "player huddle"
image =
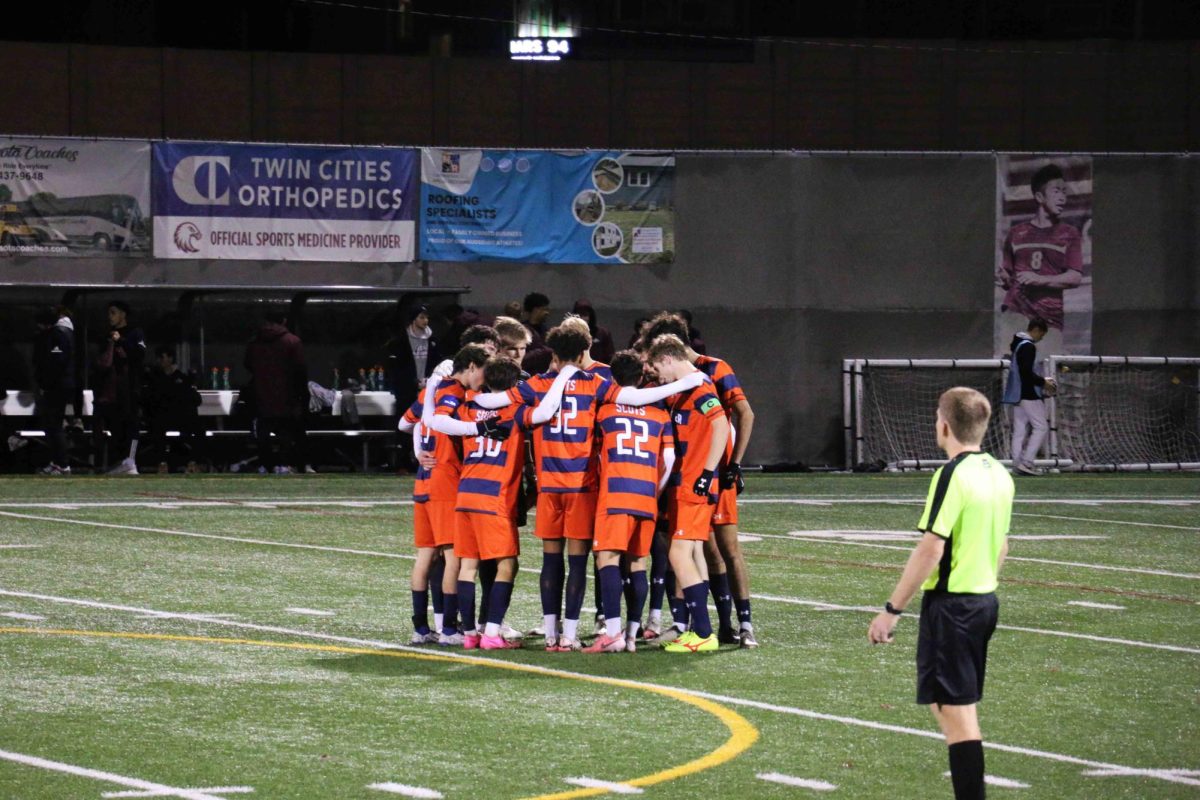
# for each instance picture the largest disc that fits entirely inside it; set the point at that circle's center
(634, 464)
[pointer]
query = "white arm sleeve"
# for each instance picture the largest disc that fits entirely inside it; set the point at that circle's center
(668, 463)
(443, 423)
(553, 399)
(404, 426)
(492, 400)
(629, 396)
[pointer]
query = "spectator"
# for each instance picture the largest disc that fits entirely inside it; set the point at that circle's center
(54, 372)
(512, 309)
(172, 404)
(697, 339)
(639, 330)
(535, 311)
(602, 341)
(118, 384)
(279, 384)
(460, 319)
(411, 357)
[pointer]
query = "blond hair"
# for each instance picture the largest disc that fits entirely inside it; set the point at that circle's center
(511, 331)
(967, 412)
(578, 323)
(667, 345)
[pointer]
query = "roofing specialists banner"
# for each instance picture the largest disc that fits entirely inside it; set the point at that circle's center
(214, 200)
(71, 197)
(547, 207)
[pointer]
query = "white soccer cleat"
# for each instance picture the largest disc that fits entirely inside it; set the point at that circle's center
(454, 640)
(630, 644)
(669, 635)
(601, 628)
(652, 630)
(423, 638)
(510, 634)
(126, 467)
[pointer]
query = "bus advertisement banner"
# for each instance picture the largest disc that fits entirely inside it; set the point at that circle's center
(284, 203)
(547, 207)
(74, 197)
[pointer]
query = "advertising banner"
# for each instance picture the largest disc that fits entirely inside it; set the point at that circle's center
(70, 197)
(547, 207)
(1044, 251)
(287, 203)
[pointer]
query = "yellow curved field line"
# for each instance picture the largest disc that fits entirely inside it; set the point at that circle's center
(742, 735)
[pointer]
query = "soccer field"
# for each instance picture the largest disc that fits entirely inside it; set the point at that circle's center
(219, 637)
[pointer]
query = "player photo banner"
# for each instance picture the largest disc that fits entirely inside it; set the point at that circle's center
(1044, 251)
(70, 197)
(547, 207)
(284, 203)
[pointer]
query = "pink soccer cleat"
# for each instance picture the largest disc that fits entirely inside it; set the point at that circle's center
(607, 644)
(470, 641)
(499, 643)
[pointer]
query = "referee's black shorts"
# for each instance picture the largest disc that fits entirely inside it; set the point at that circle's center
(952, 646)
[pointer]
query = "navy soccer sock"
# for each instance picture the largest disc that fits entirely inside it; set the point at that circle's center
(576, 585)
(743, 611)
(552, 584)
(487, 576)
(420, 617)
(636, 600)
(723, 600)
(501, 596)
(696, 599)
(466, 604)
(436, 571)
(449, 613)
(610, 592)
(659, 562)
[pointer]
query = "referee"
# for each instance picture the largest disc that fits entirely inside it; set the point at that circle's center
(965, 528)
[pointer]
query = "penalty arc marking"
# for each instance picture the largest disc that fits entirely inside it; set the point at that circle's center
(742, 735)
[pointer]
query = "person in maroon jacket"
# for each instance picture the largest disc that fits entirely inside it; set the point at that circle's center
(603, 348)
(279, 384)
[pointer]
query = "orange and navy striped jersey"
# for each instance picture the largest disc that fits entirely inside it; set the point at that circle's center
(564, 448)
(729, 389)
(440, 483)
(491, 474)
(630, 458)
(692, 413)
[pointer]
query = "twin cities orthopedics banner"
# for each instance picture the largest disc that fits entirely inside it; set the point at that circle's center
(70, 197)
(548, 207)
(288, 203)
(1044, 251)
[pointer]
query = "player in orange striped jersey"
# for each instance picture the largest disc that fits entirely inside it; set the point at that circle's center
(566, 476)
(486, 507)
(636, 456)
(727, 564)
(701, 433)
(436, 488)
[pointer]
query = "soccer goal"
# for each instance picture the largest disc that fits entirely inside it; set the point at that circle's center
(1126, 413)
(889, 405)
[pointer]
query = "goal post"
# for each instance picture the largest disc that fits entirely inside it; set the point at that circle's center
(889, 404)
(1126, 413)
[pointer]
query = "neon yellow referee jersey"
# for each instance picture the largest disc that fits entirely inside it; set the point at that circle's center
(970, 506)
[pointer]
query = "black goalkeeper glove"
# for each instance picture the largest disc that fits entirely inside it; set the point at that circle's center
(731, 476)
(703, 484)
(492, 429)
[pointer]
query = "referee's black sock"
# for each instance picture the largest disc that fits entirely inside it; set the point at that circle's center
(966, 769)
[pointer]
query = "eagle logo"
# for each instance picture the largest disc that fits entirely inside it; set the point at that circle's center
(186, 237)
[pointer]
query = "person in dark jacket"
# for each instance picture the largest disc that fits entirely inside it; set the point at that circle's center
(1024, 391)
(602, 341)
(411, 356)
(118, 386)
(536, 309)
(172, 404)
(279, 384)
(54, 372)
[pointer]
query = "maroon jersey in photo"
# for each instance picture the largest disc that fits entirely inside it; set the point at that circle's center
(1045, 251)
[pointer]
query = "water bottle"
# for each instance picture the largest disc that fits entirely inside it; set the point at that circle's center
(214, 380)
(226, 387)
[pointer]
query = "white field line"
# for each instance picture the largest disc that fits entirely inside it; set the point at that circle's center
(1166, 774)
(868, 535)
(110, 777)
(229, 503)
(1090, 604)
(19, 546)
(309, 612)
(1109, 521)
(824, 605)
(18, 615)
(214, 790)
(802, 783)
(801, 536)
(848, 499)
(406, 790)
(1003, 783)
(1150, 773)
(593, 783)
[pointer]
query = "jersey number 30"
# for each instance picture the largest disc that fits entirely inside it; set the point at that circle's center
(486, 447)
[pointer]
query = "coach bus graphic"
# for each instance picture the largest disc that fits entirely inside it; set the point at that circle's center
(101, 221)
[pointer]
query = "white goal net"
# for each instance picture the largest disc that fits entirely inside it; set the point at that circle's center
(1119, 413)
(890, 405)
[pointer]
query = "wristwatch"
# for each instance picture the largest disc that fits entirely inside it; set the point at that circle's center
(891, 609)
